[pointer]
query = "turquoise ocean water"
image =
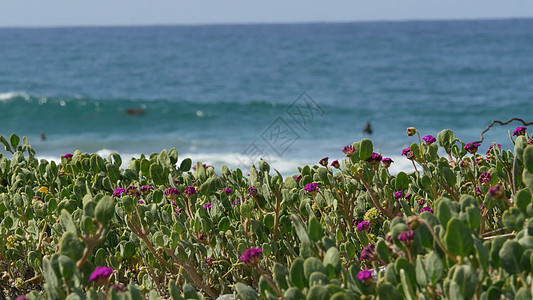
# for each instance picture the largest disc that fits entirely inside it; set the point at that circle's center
(229, 94)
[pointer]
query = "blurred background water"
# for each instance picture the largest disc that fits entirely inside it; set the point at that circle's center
(220, 93)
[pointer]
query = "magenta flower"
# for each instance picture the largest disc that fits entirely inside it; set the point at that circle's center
(252, 192)
(363, 226)
(311, 188)
(189, 191)
(472, 147)
(23, 297)
(530, 141)
(133, 191)
(368, 252)
(238, 201)
(67, 156)
(519, 131)
(426, 208)
(398, 194)
(140, 201)
(324, 161)
(171, 193)
(429, 139)
(145, 189)
(485, 178)
(365, 275)
(464, 163)
(336, 164)
(374, 159)
(297, 178)
(496, 191)
(386, 162)
(406, 150)
(207, 206)
(227, 191)
(118, 192)
(490, 148)
(251, 256)
(209, 260)
(101, 274)
(406, 237)
(349, 150)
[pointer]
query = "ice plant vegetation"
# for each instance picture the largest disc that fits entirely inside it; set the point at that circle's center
(459, 226)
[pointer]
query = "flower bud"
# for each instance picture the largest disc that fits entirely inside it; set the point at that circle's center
(412, 222)
(252, 191)
(386, 162)
(411, 131)
(349, 150)
(336, 164)
(472, 147)
(519, 131)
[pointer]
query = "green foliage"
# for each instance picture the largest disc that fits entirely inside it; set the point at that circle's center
(60, 220)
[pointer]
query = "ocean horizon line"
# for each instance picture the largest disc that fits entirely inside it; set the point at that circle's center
(273, 23)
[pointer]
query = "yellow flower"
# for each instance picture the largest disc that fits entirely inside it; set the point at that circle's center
(44, 190)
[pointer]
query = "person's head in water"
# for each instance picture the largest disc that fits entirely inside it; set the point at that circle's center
(368, 128)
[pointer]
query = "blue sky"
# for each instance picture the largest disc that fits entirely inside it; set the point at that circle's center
(148, 12)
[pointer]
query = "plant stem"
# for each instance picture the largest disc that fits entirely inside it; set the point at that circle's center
(450, 191)
(91, 242)
(376, 202)
(280, 294)
(494, 231)
(276, 217)
(495, 236)
(437, 239)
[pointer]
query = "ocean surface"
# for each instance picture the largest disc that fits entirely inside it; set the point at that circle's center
(289, 93)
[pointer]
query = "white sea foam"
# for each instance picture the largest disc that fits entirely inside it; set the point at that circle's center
(285, 165)
(10, 95)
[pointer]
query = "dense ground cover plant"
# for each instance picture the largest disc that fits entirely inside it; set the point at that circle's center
(458, 227)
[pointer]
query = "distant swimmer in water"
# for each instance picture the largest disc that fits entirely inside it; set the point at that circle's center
(135, 111)
(43, 136)
(368, 128)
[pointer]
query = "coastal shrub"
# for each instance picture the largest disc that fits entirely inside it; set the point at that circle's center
(459, 226)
